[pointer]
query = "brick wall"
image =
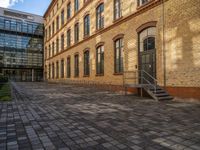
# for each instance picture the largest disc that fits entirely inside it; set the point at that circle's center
(177, 41)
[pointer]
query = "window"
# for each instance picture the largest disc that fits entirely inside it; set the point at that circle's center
(57, 45)
(49, 31)
(62, 17)
(57, 23)
(53, 47)
(62, 68)
(86, 63)
(76, 65)
(76, 32)
(45, 34)
(69, 38)
(68, 10)
(87, 25)
(53, 71)
(68, 67)
(76, 5)
(46, 52)
(119, 54)
(100, 16)
(49, 71)
(57, 69)
(100, 60)
(49, 50)
(117, 9)
(149, 43)
(53, 28)
(147, 39)
(142, 2)
(62, 42)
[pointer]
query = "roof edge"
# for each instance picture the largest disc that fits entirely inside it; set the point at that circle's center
(49, 7)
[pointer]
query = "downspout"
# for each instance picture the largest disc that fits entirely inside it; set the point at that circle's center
(163, 43)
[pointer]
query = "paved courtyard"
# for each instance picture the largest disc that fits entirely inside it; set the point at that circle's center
(50, 116)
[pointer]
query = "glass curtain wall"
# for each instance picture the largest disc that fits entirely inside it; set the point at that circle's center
(21, 49)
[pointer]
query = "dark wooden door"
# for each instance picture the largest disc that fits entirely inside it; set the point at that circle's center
(148, 64)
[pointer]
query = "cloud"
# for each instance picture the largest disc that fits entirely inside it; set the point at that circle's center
(9, 3)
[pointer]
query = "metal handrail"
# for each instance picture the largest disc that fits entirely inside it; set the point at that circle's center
(142, 78)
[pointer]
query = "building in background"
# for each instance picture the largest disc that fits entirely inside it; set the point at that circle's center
(21, 45)
(125, 42)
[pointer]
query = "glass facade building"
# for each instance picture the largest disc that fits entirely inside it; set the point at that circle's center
(21, 45)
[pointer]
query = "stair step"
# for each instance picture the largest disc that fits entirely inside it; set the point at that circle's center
(158, 88)
(165, 98)
(162, 94)
(158, 91)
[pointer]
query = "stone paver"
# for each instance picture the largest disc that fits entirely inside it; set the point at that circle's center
(50, 116)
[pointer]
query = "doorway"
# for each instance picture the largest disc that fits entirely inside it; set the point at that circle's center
(147, 54)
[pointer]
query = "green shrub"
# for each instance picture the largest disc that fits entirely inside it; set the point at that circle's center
(5, 92)
(5, 98)
(3, 79)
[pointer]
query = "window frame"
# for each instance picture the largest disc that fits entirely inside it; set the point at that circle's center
(57, 70)
(76, 32)
(68, 37)
(62, 68)
(86, 25)
(62, 16)
(100, 63)
(100, 16)
(68, 10)
(86, 63)
(119, 68)
(76, 6)
(117, 10)
(62, 42)
(76, 65)
(68, 71)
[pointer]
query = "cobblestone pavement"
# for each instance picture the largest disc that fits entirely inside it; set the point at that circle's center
(50, 116)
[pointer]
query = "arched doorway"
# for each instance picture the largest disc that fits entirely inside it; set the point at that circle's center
(147, 52)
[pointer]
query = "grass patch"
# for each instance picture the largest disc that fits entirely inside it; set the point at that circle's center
(5, 92)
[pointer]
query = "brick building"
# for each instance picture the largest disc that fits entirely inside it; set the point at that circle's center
(125, 42)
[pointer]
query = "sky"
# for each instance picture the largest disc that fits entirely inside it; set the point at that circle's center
(31, 6)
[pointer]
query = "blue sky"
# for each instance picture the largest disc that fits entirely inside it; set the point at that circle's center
(31, 6)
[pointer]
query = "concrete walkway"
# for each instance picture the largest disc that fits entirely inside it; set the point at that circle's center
(50, 116)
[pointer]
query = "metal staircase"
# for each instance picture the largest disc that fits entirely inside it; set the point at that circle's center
(142, 80)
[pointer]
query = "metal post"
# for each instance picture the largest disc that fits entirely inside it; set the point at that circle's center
(32, 75)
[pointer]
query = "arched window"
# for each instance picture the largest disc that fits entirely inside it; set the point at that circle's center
(68, 10)
(76, 32)
(62, 68)
(53, 71)
(69, 38)
(49, 71)
(76, 65)
(68, 67)
(100, 16)
(100, 60)
(117, 9)
(76, 5)
(119, 55)
(142, 2)
(57, 69)
(147, 39)
(53, 47)
(86, 25)
(87, 63)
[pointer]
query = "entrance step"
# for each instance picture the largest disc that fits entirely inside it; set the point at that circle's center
(158, 93)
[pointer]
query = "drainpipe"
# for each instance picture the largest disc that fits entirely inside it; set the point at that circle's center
(163, 44)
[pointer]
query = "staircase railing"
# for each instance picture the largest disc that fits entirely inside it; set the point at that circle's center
(140, 78)
(153, 83)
